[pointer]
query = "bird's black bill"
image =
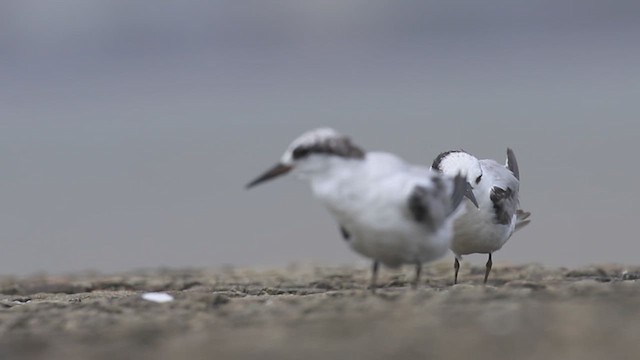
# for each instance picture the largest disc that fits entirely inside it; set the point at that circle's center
(274, 172)
(468, 193)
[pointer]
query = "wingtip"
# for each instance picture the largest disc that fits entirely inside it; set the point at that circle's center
(522, 219)
(522, 215)
(512, 163)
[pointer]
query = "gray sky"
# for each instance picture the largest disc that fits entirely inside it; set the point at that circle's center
(128, 129)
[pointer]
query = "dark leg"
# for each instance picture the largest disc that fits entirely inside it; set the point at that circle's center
(416, 281)
(456, 266)
(489, 264)
(374, 275)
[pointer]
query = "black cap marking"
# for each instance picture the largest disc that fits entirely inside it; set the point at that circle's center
(339, 146)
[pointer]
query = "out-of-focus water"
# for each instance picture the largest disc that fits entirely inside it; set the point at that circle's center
(128, 130)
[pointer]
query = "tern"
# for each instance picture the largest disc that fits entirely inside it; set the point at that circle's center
(485, 227)
(387, 210)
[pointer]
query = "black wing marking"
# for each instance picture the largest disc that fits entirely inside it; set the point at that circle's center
(433, 206)
(505, 203)
(345, 234)
(418, 205)
(512, 163)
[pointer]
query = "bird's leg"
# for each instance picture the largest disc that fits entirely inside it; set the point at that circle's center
(489, 264)
(456, 266)
(374, 276)
(416, 281)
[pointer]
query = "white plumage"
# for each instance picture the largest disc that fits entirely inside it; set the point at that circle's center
(496, 187)
(388, 210)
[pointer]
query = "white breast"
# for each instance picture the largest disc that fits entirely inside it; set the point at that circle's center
(477, 231)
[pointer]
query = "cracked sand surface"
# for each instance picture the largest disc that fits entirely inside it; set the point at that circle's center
(526, 312)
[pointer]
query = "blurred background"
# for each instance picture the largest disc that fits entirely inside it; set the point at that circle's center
(129, 128)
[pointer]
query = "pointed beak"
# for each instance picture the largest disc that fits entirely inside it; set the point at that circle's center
(274, 172)
(468, 193)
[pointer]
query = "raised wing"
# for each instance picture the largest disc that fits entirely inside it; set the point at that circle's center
(512, 163)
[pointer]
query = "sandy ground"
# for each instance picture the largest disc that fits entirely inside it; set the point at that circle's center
(300, 312)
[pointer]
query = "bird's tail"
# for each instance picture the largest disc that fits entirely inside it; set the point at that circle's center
(522, 219)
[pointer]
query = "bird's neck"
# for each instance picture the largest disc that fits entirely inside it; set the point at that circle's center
(336, 187)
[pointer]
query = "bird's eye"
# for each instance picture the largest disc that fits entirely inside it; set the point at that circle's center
(478, 179)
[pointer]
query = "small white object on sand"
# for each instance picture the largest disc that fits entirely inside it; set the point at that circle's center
(157, 297)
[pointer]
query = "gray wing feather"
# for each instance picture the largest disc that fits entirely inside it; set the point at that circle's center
(522, 219)
(512, 163)
(505, 203)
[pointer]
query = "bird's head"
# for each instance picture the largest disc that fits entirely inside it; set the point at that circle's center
(314, 152)
(452, 163)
